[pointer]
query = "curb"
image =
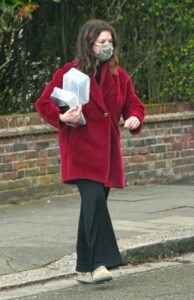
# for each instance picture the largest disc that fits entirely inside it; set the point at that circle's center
(135, 250)
(160, 248)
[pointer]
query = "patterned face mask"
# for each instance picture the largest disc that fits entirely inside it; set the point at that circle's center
(105, 51)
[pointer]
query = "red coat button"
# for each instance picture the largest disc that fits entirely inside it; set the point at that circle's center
(106, 114)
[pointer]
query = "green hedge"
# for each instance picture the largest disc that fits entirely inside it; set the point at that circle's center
(156, 48)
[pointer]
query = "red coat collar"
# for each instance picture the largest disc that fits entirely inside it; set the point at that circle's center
(98, 92)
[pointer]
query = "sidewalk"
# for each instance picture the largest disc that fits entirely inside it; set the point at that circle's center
(37, 239)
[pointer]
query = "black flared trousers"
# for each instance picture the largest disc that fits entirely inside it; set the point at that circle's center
(96, 242)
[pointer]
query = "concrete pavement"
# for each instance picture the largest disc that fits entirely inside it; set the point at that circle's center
(37, 238)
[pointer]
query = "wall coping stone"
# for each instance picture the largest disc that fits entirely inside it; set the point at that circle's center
(26, 130)
(186, 115)
(41, 128)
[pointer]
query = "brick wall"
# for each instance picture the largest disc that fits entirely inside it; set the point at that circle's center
(164, 151)
(30, 163)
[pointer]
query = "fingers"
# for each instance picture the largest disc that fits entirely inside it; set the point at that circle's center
(77, 108)
(132, 123)
(72, 115)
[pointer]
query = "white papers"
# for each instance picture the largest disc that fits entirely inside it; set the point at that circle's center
(78, 83)
(63, 98)
(76, 90)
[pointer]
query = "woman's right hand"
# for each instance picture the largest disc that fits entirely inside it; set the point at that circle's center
(72, 115)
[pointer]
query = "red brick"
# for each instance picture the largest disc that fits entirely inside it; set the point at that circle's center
(20, 165)
(53, 152)
(9, 175)
(31, 154)
(42, 162)
(184, 138)
(43, 170)
(169, 147)
(32, 146)
(142, 150)
(43, 153)
(169, 155)
(189, 152)
(188, 161)
(168, 139)
(10, 157)
(188, 145)
(137, 158)
(125, 151)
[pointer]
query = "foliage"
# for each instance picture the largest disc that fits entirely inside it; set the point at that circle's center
(14, 12)
(37, 37)
(161, 44)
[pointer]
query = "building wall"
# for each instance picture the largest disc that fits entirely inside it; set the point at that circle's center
(30, 162)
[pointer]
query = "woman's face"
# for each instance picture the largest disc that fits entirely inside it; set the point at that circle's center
(105, 37)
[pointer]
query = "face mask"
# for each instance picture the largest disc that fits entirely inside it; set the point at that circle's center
(105, 51)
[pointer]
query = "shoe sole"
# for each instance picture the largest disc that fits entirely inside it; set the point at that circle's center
(85, 282)
(102, 280)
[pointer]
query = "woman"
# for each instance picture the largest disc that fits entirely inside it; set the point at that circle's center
(91, 154)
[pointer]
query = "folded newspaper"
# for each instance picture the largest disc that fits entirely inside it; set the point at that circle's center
(76, 89)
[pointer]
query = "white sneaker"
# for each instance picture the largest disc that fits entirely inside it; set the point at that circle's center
(101, 274)
(85, 277)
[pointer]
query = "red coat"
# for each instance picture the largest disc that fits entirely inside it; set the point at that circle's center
(93, 151)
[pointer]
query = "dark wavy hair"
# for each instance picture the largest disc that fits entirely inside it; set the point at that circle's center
(86, 38)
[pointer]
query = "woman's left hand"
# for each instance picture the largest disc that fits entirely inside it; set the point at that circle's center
(132, 123)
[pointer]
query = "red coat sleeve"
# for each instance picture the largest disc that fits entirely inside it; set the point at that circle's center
(133, 107)
(46, 109)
